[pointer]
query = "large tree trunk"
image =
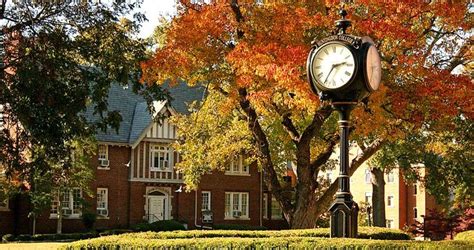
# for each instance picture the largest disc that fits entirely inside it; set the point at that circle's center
(378, 197)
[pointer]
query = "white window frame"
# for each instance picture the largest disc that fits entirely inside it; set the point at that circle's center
(390, 200)
(389, 223)
(105, 200)
(390, 177)
(106, 152)
(229, 210)
(275, 206)
(206, 205)
(368, 197)
(72, 204)
(237, 167)
(167, 156)
(265, 206)
(368, 173)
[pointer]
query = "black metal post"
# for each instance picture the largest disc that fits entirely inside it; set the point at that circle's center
(344, 210)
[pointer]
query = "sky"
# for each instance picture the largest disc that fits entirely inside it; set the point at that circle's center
(154, 9)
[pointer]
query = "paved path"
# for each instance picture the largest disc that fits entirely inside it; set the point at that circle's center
(40, 246)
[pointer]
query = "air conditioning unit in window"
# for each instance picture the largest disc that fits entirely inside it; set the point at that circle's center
(67, 212)
(103, 212)
(104, 163)
(164, 165)
(236, 214)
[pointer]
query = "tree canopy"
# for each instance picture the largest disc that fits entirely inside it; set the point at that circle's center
(251, 58)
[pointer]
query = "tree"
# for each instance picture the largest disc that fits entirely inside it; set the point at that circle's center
(251, 58)
(59, 59)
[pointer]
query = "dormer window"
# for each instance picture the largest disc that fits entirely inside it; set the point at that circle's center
(237, 167)
(161, 157)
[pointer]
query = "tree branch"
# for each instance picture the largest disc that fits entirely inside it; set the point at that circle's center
(318, 119)
(328, 151)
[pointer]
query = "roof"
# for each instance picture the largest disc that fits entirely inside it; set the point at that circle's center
(136, 116)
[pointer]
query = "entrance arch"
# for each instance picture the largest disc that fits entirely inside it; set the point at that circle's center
(157, 207)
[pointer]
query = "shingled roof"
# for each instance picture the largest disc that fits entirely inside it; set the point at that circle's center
(135, 115)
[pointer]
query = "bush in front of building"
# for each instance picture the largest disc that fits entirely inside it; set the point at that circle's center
(364, 232)
(466, 235)
(48, 237)
(159, 226)
(120, 242)
(237, 227)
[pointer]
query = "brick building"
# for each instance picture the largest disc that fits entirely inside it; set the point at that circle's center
(135, 179)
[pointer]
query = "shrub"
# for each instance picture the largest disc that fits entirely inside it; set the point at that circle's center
(158, 226)
(466, 235)
(117, 242)
(88, 219)
(115, 232)
(8, 238)
(237, 227)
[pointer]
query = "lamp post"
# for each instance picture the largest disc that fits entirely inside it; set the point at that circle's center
(344, 69)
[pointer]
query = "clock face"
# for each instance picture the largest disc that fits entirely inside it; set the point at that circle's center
(333, 65)
(373, 68)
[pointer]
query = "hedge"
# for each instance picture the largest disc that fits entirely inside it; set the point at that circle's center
(158, 226)
(48, 237)
(116, 242)
(237, 227)
(466, 235)
(364, 232)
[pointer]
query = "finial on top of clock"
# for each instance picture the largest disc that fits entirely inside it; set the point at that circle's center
(343, 23)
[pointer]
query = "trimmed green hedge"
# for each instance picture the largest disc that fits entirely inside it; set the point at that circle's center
(364, 233)
(117, 242)
(466, 235)
(158, 226)
(236, 227)
(48, 237)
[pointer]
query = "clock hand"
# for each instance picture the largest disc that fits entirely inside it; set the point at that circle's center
(330, 71)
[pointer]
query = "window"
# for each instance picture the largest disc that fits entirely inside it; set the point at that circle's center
(276, 210)
(368, 176)
(389, 223)
(415, 212)
(415, 189)
(69, 201)
(160, 158)
(200, 1)
(265, 206)
(206, 201)
(368, 197)
(390, 200)
(390, 177)
(237, 167)
(102, 201)
(236, 205)
(329, 177)
(103, 152)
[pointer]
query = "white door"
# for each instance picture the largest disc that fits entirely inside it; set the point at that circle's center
(157, 208)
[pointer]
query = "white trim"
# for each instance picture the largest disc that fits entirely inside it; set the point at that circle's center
(272, 216)
(105, 198)
(209, 198)
(391, 201)
(239, 170)
(69, 206)
(156, 104)
(240, 202)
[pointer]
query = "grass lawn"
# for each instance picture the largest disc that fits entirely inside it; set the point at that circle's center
(38, 245)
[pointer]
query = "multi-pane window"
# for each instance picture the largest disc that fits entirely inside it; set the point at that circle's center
(368, 176)
(103, 152)
(390, 177)
(102, 201)
(236, 205)
(390, 200)
(276, 209)
(389, 223)
(368, 197)
(415, 189)
(206, 201)
(69, 201)
(160, 158)
(329, 177)
(237, 166)
(265, 206)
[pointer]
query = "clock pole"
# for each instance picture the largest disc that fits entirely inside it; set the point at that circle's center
(344, 210)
